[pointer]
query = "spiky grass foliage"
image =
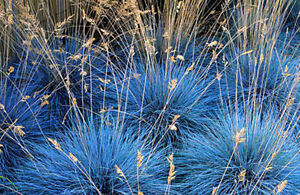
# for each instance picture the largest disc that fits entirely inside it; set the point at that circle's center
(68, 74)
(161, 101)
(293, 15)
(267, 79)
(22, 121)
(157, 29)
(163, 104)
(58, 18)
(243, 154)
(260, 60)
(85, 160)
(271, 82)
(62, 58)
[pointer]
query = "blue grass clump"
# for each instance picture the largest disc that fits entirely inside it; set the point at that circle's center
(270, 83)
(243, 154)
(64, 70)
(98, 146)
(149, 106)
(23, 121)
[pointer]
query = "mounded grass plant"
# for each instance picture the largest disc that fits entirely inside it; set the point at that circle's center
(270, 82)
(85, 159)
(164, 105)
(242, 154)
(23, 121)
(260, 58)
(68, 74)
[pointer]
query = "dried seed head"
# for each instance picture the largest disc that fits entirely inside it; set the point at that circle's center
(74, 101)
(136, 75)
(280, 187)
(173, 127)
(55, 143)
(73, 157)
(139, 159)
(89, 43)
(10, 70)
(1, 146)
(261, 58)
(175, 118)
(269, 168)
(173, 60)
(172, 84)
(18, 130)
(46, 102)
(168, 49)
(83, 73)
(190, 68)
(120, 172)
(25, 98)
(218, 76)
(2, 107)
(86, 85)
(105, 81)
(75, 57)
(273, 155)
(105, 32)
(45, 97)
(223, 22)
(180, 57)
(172, 171)
(103, 110)
(214, 43)
(240, 136)
(179, 6)
(247, 52)
(242, 176)
(290, 102)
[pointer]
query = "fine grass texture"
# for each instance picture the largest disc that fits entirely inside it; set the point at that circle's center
(149, 97)
(93, 157)
(269, 83)
(68, 75)
(243, 154)
(22, 122)
(155, 103)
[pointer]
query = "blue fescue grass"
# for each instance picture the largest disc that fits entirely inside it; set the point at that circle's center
(265, 80)
(272, 79)
(163, 86)
(261, 59)
(22, 121)
(148, 105)
(65, 69)
(98, 145)
(265, 152)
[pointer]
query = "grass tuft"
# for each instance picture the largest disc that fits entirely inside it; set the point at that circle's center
(242, 154)
(93, 157)
(165, 105)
